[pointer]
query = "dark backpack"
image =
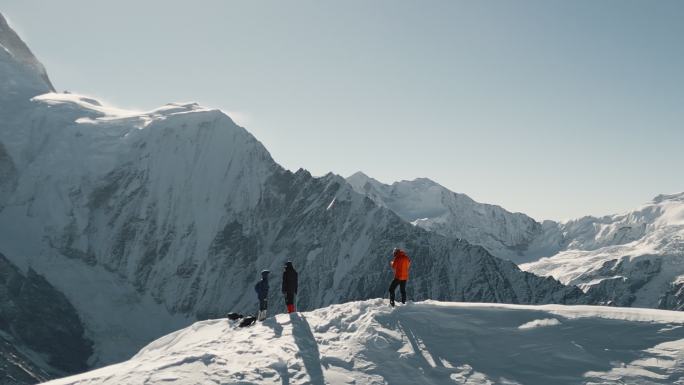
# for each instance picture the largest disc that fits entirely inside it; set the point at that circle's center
(247, 321)
(234, 316)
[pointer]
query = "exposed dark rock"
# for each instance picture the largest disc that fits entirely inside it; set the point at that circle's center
(35, 316)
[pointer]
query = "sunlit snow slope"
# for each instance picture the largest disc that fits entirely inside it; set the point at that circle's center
(630, 259)
(423, 343)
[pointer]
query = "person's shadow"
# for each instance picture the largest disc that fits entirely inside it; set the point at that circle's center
(308, 348)
(273, 324)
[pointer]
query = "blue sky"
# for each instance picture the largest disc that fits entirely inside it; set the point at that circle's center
(558, 109)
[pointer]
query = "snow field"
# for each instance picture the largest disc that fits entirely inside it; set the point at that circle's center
(423, 343)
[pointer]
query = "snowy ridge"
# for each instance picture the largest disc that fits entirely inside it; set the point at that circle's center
(630, 259)
(21, 74)
(428, 343)
(433, 207)
(663, 213)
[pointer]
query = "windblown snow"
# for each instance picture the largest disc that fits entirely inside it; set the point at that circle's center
(540, 323)
(423, 343)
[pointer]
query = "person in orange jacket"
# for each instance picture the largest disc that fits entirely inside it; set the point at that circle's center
(400, 264)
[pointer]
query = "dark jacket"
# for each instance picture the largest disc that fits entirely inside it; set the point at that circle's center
(289, 279)
(262, 287)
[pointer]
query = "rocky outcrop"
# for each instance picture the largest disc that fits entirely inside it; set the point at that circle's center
(673, 299)
(37, 319)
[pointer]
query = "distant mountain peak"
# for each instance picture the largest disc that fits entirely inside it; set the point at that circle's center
(360, 177)
(365, 184)
(427, 204)
(420, 182)
(359, 174)
(678, 197)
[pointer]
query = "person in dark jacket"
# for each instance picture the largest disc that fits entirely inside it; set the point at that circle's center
(261, 289)
(290, 286)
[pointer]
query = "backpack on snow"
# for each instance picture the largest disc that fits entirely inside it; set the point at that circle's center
(247, 321)
(234, 316)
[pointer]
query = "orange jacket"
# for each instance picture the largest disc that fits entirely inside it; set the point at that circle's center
(400, 264)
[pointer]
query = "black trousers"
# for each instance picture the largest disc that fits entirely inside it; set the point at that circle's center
(402, 289)
(263, 304)
(289, 297)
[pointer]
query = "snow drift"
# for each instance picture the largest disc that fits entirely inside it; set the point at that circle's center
(423, 343)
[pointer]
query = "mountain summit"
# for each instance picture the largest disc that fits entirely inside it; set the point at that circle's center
(21, 74)
(431, 206)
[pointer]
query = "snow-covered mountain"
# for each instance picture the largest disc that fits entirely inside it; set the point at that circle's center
(147, 221)
(433, 207)
(422, 343)
(23, 75)
(630, 259)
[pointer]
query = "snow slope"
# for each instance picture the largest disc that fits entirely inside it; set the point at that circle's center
(423, 343)
(630, 259)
